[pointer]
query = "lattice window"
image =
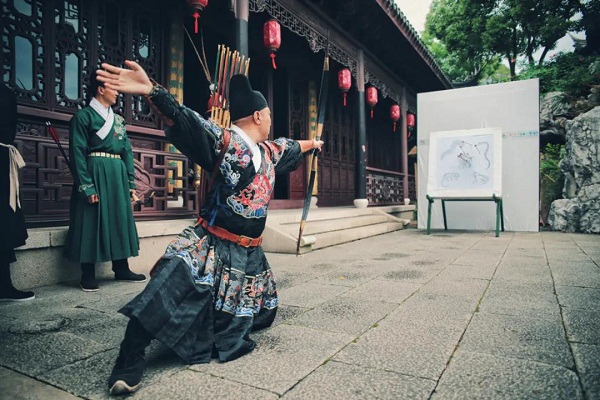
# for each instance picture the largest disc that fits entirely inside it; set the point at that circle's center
(49, 47)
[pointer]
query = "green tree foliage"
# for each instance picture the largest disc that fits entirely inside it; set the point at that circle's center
(590, 11)
(477, 33)
(453, 32)
(573, 74)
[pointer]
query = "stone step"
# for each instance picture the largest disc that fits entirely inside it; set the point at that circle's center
(332, 238)
(314, 227)
(325, 227)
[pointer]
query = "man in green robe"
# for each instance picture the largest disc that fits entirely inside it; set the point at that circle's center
(101, 227)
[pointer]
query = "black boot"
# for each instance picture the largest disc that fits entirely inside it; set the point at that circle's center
(129, 367)
(123, 273)
(88, 277)
(7, 290)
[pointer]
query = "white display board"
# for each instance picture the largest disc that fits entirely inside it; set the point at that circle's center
(465, 163)
(510, 107)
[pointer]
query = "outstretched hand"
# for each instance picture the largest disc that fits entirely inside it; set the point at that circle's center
(133, 80)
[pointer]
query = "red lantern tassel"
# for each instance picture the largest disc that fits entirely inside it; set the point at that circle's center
(371, 113)
(344, 99)
(273, 60)
(196, 16)
(394, 126)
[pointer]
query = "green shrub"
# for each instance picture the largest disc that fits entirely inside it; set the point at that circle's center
(552, 179)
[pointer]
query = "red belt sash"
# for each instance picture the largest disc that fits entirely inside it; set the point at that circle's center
(219, 232)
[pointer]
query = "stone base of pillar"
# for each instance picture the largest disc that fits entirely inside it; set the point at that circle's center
(313, 202)
(361, 203)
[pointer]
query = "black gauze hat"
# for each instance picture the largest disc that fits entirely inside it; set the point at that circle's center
(243, 101)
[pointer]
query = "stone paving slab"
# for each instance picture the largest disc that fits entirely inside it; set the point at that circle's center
(88, 378)
(416, 274)
(523, 300)
(336, 380)
(578, 297)
(457, 271)
(287, 279)
(15, 386)
(37, 353)
(287, 313)
(390, 291)
(441, 309)
(310, 294)
(193, 385)
(585, 274)
(284, 356)
(350, 276)
(582, 325)
(416, 348)
(385, 317)
(566, 255)
(482, 376)
(345, 315)
(518, 337)
(587, 359)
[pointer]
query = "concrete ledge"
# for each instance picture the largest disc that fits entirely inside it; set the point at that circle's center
(40, 261)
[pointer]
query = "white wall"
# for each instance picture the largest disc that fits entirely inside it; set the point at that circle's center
(514, 107)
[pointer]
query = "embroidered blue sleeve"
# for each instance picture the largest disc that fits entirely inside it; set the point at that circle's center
(285, 154)
(199, 139)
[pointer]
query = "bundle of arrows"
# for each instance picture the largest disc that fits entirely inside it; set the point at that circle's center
(228, 64)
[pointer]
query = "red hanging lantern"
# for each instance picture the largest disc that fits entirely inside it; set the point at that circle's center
(395, 114)
(197, 6)
(272, 38)
(344, 82)
(371, 97)
(410, 122)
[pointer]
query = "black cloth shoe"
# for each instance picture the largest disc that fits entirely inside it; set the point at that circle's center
(129, 367)
(12, 294)
(89, 284)
(88, 277)
(129, 276)
(123, 273)
(126, 374)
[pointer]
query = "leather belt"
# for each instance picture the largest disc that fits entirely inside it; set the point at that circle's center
(103, 154)
(219, 232)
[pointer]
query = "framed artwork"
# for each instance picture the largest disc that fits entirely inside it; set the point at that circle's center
(465, 163)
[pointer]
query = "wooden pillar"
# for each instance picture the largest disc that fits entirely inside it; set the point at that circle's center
(361, 200)
(404, 140)
(240, 28)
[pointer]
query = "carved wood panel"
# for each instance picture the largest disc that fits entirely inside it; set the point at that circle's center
(46, 181)
(298, 125)
(336, 163)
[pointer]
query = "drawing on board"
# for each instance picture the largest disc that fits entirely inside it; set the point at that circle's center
(465, 163)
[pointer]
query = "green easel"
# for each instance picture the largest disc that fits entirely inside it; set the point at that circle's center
(494, 198)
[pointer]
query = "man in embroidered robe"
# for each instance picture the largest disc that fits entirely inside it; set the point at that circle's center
(13, 233)
(213, 285)
(101, 227)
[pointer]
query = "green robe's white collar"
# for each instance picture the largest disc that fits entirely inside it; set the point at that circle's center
(107, 115)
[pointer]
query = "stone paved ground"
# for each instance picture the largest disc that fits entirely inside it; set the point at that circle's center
(453, 315)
